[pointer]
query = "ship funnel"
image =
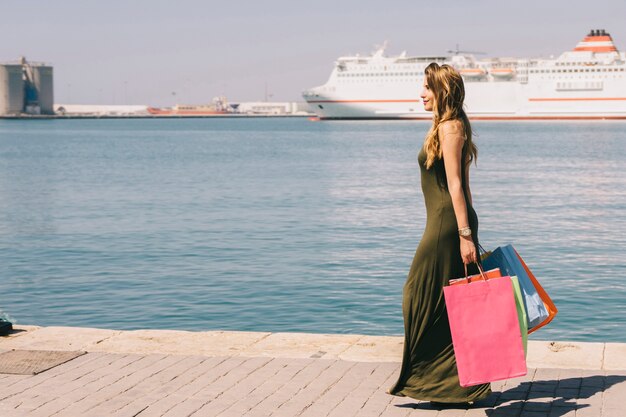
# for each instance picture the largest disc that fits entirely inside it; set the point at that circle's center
(597, 40)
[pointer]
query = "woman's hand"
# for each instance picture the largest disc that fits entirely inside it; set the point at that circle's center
(468, 250)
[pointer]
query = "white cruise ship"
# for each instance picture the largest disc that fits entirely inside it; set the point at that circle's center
(588, 82)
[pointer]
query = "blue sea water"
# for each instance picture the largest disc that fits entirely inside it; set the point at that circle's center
(291, 225)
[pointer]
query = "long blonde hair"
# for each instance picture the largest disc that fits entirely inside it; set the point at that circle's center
(449, 93)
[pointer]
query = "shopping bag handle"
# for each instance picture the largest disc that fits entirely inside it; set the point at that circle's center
(480, 268)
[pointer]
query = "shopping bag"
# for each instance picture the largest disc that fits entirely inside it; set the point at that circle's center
(519, 300)
(485, 331)
(547, 301)
(492, 273)
(505, 258)
(521, 313)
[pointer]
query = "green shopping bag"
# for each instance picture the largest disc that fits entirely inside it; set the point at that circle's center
(521, 313)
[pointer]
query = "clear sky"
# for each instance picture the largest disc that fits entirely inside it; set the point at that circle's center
(159, 52)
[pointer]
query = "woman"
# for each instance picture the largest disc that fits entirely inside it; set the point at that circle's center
(449, 244)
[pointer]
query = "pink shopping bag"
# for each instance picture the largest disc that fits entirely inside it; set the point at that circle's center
(485, 331)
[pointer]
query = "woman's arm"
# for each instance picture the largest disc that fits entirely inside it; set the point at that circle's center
(452, 139)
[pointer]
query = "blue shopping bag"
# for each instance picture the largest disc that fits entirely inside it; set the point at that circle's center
(505, 258)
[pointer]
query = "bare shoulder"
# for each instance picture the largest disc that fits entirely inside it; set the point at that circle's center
(452, 130)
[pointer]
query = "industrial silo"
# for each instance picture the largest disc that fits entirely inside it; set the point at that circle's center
(11, 89)
(42, 79)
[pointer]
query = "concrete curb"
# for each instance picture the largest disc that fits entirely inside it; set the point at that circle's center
(356, 348)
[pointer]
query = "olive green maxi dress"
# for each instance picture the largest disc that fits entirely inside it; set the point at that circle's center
(429, 370)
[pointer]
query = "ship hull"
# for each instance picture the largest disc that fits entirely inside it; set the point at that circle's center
(498, 101)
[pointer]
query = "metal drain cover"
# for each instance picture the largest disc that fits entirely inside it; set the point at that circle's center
(32, 362)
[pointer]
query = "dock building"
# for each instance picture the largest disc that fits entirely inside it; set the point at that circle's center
(26, 88)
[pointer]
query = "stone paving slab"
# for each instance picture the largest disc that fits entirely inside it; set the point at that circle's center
(55, 338)
(614, 356)
(302, 345)
(175, 342)
(374, 348)
(566, 355)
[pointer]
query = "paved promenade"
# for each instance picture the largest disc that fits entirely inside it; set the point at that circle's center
(172, 373)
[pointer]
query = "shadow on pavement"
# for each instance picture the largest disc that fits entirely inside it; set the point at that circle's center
(559, 397)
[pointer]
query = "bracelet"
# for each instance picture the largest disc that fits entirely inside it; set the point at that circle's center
(465, 231)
